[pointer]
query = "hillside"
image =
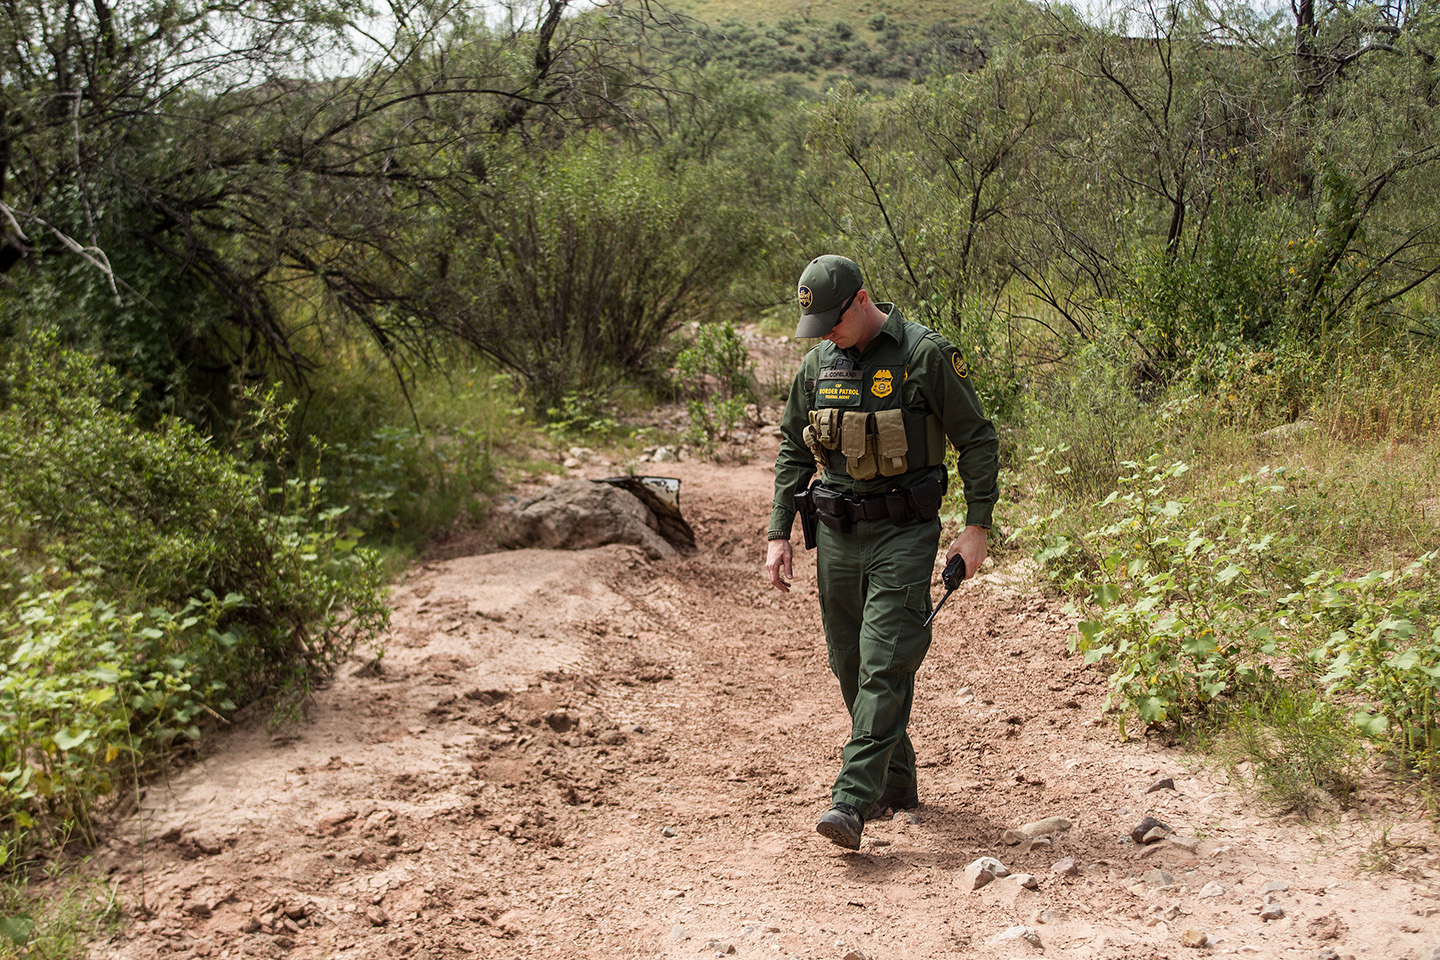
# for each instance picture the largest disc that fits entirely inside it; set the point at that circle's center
(875, 44)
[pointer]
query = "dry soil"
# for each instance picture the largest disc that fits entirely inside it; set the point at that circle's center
(587, 754)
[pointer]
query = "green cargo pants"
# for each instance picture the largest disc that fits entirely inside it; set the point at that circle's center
(874, 597)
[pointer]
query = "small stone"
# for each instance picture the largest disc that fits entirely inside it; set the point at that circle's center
(1188, 844)
(200, 911)
(560, 721)
(1159, 833)
(981, 872)
(1212, 889)
(1047, 826)
(1027, 934)
(333, 824)
(1026, 880)
(1051, 916)
(376, 916)
(719, 947)
(571, 463)
(1157, 878)
(1141, 830)
(677, 932)
(1013, 838)
(856, 955)
(1194, 938)
(1275, 886)
(1327, 953)
(1066, 867)
(1272, 912)
(668, 832)
(1164, 783)
(251, 926)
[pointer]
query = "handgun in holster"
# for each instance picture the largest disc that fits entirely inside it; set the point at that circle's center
(805, 508)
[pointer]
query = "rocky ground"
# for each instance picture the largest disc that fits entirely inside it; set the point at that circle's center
(592, 754)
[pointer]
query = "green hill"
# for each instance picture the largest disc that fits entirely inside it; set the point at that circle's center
(876, 44)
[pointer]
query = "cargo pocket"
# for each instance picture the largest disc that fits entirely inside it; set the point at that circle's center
(910, 651)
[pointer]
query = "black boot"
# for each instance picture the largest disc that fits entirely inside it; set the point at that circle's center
(842, 824)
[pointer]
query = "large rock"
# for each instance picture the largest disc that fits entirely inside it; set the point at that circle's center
(578, 515)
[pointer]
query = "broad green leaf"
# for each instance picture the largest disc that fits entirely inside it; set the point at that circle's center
(1106, 594)
(1152, 709)
(17, 929)
(1199, 646)
(66, 740)
(1371, 724)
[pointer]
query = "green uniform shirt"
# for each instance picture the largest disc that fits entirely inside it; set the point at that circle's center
(934, 380)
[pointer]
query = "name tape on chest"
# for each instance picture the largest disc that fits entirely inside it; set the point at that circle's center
(838, 393)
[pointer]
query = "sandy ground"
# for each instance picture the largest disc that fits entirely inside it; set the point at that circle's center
(587, 754)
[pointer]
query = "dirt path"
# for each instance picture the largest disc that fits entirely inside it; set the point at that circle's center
(591, 755)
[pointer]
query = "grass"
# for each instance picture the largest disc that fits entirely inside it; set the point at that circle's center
(1354, 495)
(1304, 756)
(76, 910)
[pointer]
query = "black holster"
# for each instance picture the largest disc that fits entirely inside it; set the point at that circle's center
(831, 507)
(805, 510)
(925, 499)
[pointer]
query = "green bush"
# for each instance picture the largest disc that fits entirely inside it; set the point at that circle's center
(1197, 600)
(715, 373)
(589, 261)
(154, 581)
(406, 460)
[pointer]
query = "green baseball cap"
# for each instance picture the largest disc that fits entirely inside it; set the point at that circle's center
(827, 287)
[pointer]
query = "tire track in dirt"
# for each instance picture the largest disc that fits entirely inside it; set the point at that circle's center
(590, 755)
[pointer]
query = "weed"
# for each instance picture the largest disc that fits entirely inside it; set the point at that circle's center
(77, 910)
(716, 374)
(1306, 756)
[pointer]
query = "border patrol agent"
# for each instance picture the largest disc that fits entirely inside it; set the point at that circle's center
(870, 411)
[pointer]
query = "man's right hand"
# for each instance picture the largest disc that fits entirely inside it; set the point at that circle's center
(778, 557)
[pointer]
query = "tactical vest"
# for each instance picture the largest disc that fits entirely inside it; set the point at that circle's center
(859, 426)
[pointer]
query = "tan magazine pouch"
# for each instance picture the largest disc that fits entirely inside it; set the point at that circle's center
(890, 442)
(858, 445)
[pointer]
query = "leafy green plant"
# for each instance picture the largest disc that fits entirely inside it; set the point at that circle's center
(717, 376)
(157, 582)
(579, 415)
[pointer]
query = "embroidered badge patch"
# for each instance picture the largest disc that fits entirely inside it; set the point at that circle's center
(806, 297)
(882, 383)
(961, 370)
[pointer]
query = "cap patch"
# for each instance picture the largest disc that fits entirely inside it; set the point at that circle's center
(806, 297)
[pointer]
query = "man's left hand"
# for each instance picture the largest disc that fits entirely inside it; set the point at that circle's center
(973, 544)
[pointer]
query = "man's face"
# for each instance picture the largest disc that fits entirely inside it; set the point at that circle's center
(846, 332)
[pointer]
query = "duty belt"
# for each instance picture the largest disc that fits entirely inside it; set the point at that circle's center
(841, 510)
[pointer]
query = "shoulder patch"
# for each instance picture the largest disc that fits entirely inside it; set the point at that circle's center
(961, 369)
